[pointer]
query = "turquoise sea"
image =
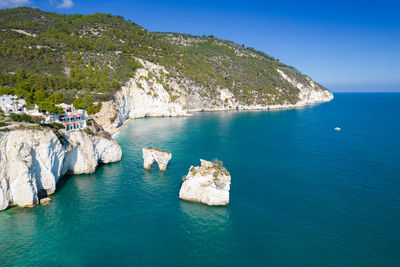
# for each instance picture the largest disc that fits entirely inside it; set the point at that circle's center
(302, 194)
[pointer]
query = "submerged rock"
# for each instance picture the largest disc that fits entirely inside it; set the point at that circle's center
(45, 201)
(151, 154)
(208, 184)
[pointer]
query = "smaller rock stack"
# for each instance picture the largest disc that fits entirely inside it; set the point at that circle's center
(151, 154)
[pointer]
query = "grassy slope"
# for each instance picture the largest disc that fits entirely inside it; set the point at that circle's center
(95, 55)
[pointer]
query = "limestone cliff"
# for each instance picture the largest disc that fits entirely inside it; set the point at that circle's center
(33, 160)
(153, 92)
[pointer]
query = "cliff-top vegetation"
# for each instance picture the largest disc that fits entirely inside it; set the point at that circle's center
(47, 57)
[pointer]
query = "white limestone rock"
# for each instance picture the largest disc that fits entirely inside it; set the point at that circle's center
(144, 95)
(208, 184)
(81, 158)
(88, 151)
(151, 154)
(45, 201)
(32, 161)
(106, 149)
(310, 92)
(30, 164)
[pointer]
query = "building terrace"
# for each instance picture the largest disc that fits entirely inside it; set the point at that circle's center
(71, 118)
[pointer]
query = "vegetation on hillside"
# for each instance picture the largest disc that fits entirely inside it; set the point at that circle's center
(93, 55)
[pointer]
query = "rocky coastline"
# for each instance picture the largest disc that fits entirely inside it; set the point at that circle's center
(159, 96)
(33, 160)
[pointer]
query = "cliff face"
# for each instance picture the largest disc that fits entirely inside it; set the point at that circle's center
(145, 95)
(32, 161)
(309, 91)
(152, 92)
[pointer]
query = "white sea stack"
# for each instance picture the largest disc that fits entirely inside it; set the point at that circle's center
(208, 184)
(33, 160)
(151, 154)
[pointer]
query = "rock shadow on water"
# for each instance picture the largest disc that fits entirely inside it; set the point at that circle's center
(155, 178)
(63, 181)
(198, 212)
(17, 210)
(212, 225)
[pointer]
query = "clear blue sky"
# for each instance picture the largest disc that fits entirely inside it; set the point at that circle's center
(344, 45)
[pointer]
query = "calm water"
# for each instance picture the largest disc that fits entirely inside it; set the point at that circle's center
(302, 194)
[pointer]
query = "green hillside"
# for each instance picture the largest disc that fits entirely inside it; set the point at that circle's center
(93, 55)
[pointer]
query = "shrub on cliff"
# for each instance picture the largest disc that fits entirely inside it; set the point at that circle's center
(7, 91)
(24, 118)
(87, 104)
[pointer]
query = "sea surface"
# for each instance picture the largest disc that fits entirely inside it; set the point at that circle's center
(302, 194)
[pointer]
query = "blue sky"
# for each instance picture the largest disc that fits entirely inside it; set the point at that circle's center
(344, 45)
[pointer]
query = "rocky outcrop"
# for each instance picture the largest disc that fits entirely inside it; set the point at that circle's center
(151, 154)
(33, 160)
(208, 184)
(310, 92)
(107, 117)
(145, 95)
(45, 201)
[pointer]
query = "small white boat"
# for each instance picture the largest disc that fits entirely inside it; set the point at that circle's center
(337, 129)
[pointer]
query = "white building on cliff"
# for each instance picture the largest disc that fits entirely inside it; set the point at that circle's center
(71, 118)
(11, 104)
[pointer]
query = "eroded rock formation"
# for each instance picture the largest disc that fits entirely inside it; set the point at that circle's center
(33, 160)
(208, 184)
(151, 154)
